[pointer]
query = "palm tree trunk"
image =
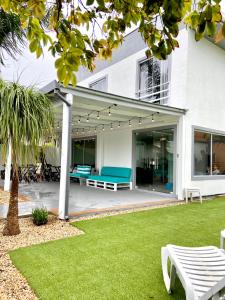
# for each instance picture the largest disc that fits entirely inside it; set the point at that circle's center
(12, 222)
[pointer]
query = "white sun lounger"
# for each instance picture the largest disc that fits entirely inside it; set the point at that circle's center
(200, 270)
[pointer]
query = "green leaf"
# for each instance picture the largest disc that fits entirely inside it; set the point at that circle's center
(33, 45)
(90, 2)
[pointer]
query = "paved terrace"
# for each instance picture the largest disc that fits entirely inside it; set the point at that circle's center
(84, 200)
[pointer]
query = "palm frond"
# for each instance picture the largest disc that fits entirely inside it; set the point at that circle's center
(12, 37)
(26, 118)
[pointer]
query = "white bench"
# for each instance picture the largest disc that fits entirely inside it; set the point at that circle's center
(200, 270)
(191, 191)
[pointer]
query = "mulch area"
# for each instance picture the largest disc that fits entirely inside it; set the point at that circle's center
(4, 197)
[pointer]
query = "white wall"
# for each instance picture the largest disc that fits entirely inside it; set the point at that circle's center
(121, 76)
(205, 101)
(114, 148)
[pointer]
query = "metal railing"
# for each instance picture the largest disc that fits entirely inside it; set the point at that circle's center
(155, 94)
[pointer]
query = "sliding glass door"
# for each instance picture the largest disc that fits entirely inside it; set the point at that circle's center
(154, 160)
(83, 152)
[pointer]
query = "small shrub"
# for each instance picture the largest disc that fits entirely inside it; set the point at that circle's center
(40, 216)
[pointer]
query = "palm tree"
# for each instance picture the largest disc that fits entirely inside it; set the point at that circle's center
(26, 118)
(12, 37)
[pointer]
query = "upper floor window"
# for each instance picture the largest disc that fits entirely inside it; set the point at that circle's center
(99, 85)
(153, 80)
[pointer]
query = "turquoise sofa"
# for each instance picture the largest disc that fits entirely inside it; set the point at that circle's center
(111, 178)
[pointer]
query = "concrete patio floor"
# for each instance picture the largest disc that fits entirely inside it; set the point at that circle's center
(84, 200)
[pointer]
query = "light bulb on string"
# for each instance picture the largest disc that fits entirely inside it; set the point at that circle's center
(140, 121)
(119, 124)
(130, 123)
(98, 116)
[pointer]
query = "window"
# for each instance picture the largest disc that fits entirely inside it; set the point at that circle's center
(99, 85)
(202, 153)
(209, 153)
(218, 155)
(153, 80)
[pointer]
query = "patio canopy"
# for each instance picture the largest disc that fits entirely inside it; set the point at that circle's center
(86, 111)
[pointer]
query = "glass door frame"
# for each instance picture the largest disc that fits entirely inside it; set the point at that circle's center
(174, 127)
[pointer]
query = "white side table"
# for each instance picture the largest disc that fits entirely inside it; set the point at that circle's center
(191, 191)
(222, 237)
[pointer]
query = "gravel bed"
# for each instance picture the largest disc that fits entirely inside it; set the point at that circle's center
(13, 286)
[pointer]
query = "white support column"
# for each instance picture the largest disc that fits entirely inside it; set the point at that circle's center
(65, 158)
(7, 181)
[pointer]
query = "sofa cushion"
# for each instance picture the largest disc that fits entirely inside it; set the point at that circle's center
(86, 170)
(109, 179)
(79, 175)
(116, 172)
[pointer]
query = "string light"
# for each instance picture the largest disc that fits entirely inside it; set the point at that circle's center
(58, 125)
(130, 123)
(140, 121)
(79, 119)
(111, 126)
(153, 120)
(109, 111)
(119, 124)
(95, 129)
(98, 116)
(103, 127)
(87, 118)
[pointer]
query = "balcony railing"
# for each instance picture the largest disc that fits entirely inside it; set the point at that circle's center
(155, 94)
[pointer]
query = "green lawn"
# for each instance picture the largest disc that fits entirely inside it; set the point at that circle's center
(119, 257)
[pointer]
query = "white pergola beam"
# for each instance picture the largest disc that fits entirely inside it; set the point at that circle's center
(65, 158)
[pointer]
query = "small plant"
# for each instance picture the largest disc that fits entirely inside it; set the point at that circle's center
(40, 216)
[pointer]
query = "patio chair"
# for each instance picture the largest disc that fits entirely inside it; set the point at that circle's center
(200, 270)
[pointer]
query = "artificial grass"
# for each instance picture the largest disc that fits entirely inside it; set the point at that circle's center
(119, 257)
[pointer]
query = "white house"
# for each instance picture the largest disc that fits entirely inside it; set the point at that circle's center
(163, 119)
(167, 154)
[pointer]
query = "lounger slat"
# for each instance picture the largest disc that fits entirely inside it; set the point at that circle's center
(201, 288)
(205, 278)
(194, 255)
(194, 248)
(203, 259)
(205, 272)
(202, 263)
(196, 252)
(204, 267)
